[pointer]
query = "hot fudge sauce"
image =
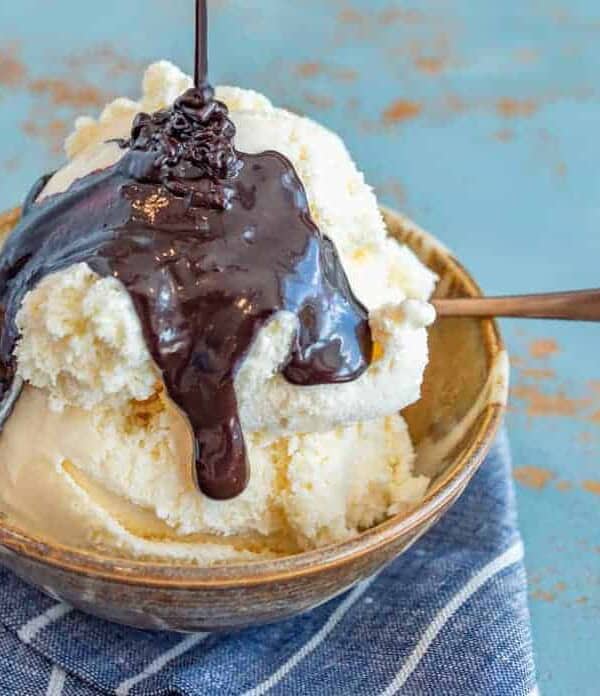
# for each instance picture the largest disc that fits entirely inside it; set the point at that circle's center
(210, 243)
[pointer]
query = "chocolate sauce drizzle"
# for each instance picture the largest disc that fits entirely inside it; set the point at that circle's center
(210, 243)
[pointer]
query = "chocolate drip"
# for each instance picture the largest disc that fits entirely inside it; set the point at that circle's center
(209, 243)
(201, 63)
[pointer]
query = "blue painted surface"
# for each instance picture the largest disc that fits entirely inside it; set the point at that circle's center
(501, 162)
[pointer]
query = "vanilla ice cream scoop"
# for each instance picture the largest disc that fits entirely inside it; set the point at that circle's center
(108, 363)
(326, 460)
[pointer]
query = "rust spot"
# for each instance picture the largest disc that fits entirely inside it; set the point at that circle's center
(515, 108)
(321, 101)
(451, 105)
(504, 135)
(541, 404)
(543, 595)
(543, 348)
(52, 133)
(105, 56)
(561, 169)
(595, 417)
(309, 69)
(560, 587)
(430, 55)
(395, 14)
(12, 70)
(66, 93)
(533, 476)
(538, 374)
(432, 65)
(592, 487)
(349, 15)
(344, 74)
(582, 600)
(563, 486)
(401, 110)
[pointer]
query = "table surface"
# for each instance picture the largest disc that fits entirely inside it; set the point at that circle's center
(480, 120)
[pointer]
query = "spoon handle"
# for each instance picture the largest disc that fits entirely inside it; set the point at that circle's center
(578, 305)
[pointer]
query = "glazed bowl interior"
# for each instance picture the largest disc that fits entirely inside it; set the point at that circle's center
(452, 426)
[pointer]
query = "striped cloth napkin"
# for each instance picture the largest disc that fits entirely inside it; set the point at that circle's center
(448, 618)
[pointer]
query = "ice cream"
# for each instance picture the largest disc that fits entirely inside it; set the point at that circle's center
(325, 460)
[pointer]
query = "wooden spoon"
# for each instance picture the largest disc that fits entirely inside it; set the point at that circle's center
(580, 305)
(577, 305)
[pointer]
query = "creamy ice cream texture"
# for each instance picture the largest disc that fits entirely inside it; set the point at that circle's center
(110, 462)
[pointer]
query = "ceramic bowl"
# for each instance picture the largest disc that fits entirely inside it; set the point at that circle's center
(453, 426)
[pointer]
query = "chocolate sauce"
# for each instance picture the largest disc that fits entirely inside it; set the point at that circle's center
(210, 243)
(201, 62)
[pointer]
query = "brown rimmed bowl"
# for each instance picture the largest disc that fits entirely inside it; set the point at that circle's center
(453, 427)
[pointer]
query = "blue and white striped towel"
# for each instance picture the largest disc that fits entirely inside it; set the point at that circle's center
(447, 618)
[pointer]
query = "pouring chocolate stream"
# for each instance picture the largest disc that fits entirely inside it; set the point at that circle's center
(210, 243)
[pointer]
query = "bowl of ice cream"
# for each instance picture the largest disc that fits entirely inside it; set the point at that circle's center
(220, 430)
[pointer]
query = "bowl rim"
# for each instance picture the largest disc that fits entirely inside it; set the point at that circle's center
(181, 576)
